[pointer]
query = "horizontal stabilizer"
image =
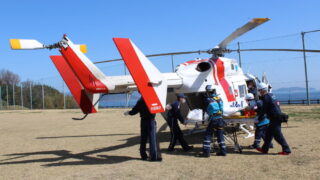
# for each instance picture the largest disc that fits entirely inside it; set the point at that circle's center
(86, 101)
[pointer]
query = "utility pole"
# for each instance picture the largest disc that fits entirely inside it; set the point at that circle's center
(305, 63)
(239, 54)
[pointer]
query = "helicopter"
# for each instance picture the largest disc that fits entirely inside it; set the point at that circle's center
(87, 82)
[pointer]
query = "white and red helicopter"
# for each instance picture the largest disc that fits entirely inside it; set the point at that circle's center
(86, 82)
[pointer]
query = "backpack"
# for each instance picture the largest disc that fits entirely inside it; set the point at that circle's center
(218, 100)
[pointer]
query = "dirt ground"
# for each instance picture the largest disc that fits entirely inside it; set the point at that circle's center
(50, 145)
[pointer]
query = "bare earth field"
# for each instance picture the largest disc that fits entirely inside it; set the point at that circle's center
(49, 145)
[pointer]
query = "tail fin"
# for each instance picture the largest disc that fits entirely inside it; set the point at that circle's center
(84, 99)
(150, 82)
(92, 79)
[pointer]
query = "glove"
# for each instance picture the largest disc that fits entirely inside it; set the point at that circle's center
(168, 107)
(126, 113)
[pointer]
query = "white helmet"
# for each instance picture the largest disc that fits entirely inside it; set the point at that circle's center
(263, 86)
(249, 96)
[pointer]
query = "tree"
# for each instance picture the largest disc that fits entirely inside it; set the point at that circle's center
(8, 78)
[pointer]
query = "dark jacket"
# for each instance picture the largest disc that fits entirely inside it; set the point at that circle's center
(175, 113)
(271, 106)
(142, 108)
(261, 114)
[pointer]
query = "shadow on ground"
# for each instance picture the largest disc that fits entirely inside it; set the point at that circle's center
(89, 157)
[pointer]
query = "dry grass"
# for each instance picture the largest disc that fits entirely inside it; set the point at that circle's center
(49, 145)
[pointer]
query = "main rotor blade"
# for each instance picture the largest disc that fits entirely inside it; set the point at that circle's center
(286, 50)
(154, 55)
(245, 28)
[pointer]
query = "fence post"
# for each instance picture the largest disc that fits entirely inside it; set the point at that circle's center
(30, 88)
(0, 98)
(13, 97)
(64, 96)
(42, 89)
(7, 97)
(21, 95)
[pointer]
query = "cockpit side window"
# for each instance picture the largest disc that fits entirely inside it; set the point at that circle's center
(242, 90)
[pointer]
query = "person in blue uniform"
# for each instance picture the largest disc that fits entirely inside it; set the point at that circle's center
(252, 89)
(148, 128)
(173, 115)
(272, 108)
(261, 120)
(216, 124)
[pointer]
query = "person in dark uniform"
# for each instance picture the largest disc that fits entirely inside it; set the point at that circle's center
(252, 89)
(148, 129)
(216, 124)
(273, 111)
(173, 116)
(261, 120)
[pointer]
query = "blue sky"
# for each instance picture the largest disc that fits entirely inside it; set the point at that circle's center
(163, 26)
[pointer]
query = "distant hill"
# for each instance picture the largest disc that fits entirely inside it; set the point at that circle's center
(294, 90)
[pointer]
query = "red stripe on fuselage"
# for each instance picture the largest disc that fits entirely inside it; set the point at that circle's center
(224, 83)
(73, 84)
(87, 79)
(213, 72)
(138, 73)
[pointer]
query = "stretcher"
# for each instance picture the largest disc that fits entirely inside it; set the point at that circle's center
(234, 125)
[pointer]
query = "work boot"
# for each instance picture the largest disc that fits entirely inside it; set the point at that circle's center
(221, 154)
(188, 148)
(144, 156)
(253, 146)
(159, 159)
(261, 150)
(170, 149)
(284, 153)
(203, 155)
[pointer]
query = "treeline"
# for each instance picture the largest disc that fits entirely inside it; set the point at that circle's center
(30, 95)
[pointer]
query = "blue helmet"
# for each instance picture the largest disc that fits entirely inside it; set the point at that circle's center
(181, 95)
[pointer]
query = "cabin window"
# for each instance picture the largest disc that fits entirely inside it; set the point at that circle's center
(230, 89)
(242, 90)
